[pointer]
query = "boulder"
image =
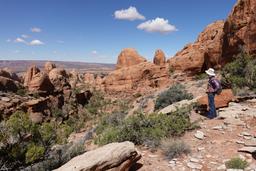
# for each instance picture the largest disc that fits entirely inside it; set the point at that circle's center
(221, 100)
(8, 74)
(129, 57)
(174, 107)
(203, 53)
(115, 155)
(59, 79)
(7, 84)
(141, 77)
(159, 58)
(83, 97)
(49, 66)
(40, 82)
(31, 71)
(240, 29)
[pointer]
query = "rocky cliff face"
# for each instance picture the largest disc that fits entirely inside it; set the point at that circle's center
(220, 41)
(240, 29)
(204, 53)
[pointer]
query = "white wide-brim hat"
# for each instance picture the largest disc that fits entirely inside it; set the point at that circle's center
(210, 72)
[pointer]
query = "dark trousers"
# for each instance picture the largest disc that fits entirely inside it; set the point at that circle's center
(212, 110)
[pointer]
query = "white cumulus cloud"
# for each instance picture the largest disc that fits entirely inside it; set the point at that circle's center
(36, 30)
(128, 14)
(19, 40)
(36, 43)
(157, 25)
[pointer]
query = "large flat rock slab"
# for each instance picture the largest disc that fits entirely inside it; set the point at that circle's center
(115, 155)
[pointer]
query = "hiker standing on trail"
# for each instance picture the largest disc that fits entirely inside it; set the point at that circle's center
(213, 88)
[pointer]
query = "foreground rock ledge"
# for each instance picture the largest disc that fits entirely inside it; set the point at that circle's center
(114, 156)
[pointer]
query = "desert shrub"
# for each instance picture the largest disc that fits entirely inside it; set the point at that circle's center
(97, 103)
(63, 132)
(144, 129)
(236, 163)
(201, 76)
(23, 142)
(241, 72)
(34, 152)
(47, 131)
(19, 124)
(174, 148)
(56, 112)
(174, 94)
(21, 92)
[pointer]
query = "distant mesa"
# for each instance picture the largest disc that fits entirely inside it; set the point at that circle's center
(129, 57)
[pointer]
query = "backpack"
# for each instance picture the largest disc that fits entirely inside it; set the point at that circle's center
(216, 85)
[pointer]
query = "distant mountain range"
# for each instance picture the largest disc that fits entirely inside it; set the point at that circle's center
(20, 66)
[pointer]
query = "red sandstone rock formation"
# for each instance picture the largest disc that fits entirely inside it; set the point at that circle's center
(159, 58)
(129, 57)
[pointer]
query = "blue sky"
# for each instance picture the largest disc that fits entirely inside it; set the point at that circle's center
(97, 30)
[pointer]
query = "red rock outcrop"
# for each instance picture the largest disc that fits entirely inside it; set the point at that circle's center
(49, 66)
(8, 74)
(220, 41)
(59, 78)
(221, 100)
(33, 70)
(89, 78)
(202, 54)
(140, 77)
(7, 84)
(40, 82)
(159, 58)
(240, 29)
(129, 57)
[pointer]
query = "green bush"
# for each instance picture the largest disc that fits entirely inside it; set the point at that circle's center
(144, 129)
(34, 153)
(241, 72)
(174, 94)
(236, 163)
(47, 131)
(19, 124)
(21, 92)
(63, 132)
(97, 103)
(23, 142)
(201, 76)
(174, 148)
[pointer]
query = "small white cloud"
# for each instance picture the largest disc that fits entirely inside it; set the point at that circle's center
(157, 25)
(36, 30)
(36, 43)
(128, 14)
(25, 36)
(19, 40)
(55, 52)
(8, 40)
